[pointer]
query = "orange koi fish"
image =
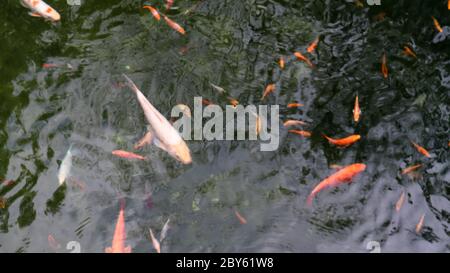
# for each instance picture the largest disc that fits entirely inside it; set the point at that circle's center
(344, 175)
(436, 24)
(269, 89)
(155, 242)
(400, 202)
(421, 150)
(294, 105)
(384, 68)
(281, 62)
(304, 59)
(356, 110)
(174, 25)
(448, 4)
(40, 9)
(153, 11)
(343, 142)
(127, 155)
(118, 242)
(408, 51)
(420, 224)
(411, 169)
(292, 122)
(313, 45)
(301, 133)
(241, 219)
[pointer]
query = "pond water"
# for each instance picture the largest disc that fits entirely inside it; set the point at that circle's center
(61, 84)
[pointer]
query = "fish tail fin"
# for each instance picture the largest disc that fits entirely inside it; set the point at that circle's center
(122, 203)
(130, 83)
(310, 199)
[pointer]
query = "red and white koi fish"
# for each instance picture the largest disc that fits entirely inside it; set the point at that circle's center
(41, 9)
(344, 175)
(164, 134)
(118, 242)
(127, 155)
(174, 25)
(66, 165)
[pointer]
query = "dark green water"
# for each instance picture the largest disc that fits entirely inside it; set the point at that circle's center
(236, 45)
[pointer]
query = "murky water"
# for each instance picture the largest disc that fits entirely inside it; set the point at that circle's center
(236, 45)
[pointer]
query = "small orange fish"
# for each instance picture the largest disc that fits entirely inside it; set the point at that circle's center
(174, 25)
(281, 62)
(46, 65)
(356, 110)
(411, 169)
(400, 202)
(384, 68)
(448, 4)
(408, 51)
(118, 242)
(233, 102)
(343, 142)
(301, 133)
(294, 105)
(304, 59)
(269, 89)
(127, 155)
(155, 242)
(292, 122)
(206, 102)
(420, 224)
(313, 45)
(153, 11)
(344, 175)
(436, 24)
(53, 243)
(240, 217)
(421, 149)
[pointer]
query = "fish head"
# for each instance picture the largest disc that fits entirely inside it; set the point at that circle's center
(181, 152)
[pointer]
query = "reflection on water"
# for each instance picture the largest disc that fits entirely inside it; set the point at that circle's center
(78, 100)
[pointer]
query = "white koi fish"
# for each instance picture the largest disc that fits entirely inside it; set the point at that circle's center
(163, 134)
(66, 165)
(41, 9)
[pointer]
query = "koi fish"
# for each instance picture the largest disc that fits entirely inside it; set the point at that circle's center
(344, 175)
(127, 155)
(164, 134)
(411, 169)
(408, 51)
(53, 243)
(292, 122)
(421, 150)
(156, 244)
(41, 9)
(281, 62)
(436, 24)
(301, 133)
(206, 102)
(174, 25)
(66, 165)
(241, 219)
(343, 142)
(169, 4)
(164, 230)
(233, 102)
(118, 242)
(400, 201)
(304, 59)
(294, 105)
(356, 110)
(269, 89)
(420, 224)
(384, 68)
(448, 4)
(313, 45)
(153, 11)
